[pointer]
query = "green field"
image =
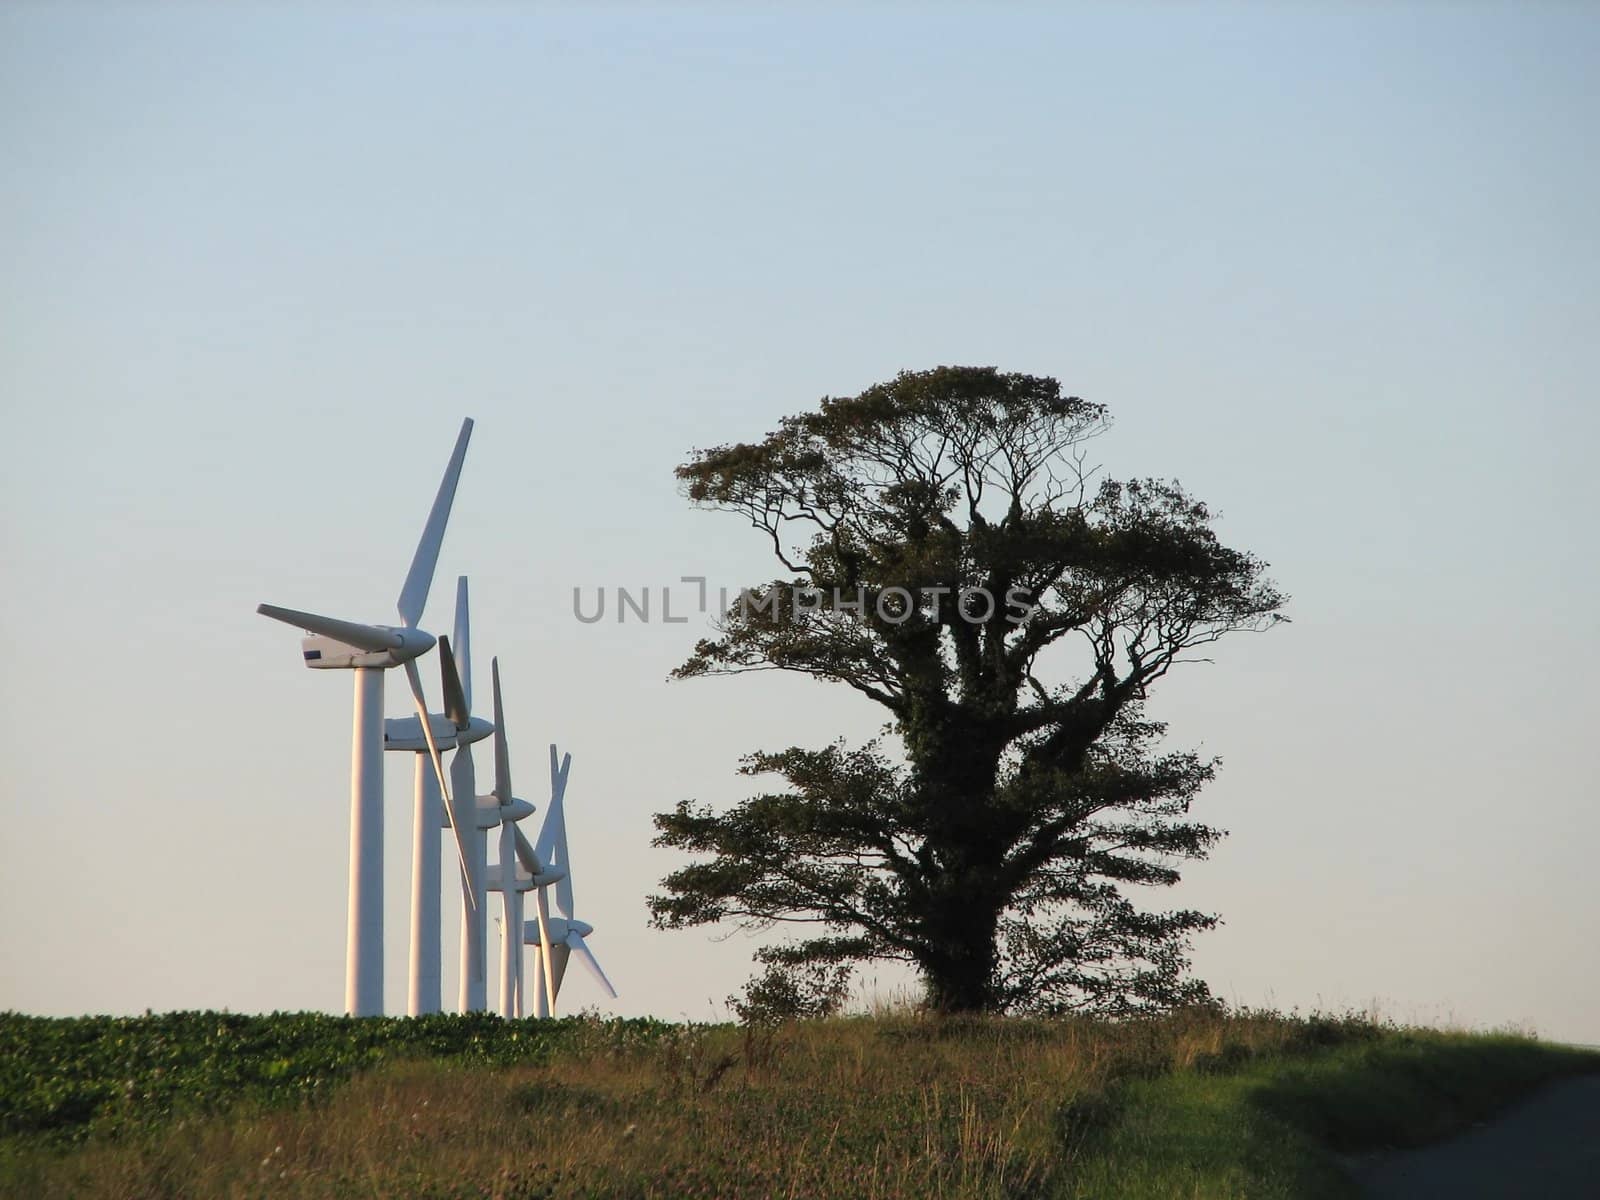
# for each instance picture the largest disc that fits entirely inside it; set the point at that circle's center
(1201, 1103)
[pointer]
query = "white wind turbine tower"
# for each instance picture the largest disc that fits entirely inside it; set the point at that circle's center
(455, 729)
(369, 650)
(469, 814)
(476, 819)
(565, 934)
(511, 882)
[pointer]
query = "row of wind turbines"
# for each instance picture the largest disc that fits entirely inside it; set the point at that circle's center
(539, 867)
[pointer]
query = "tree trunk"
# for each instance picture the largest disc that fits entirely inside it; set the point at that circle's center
(956, 761)
(959, 970)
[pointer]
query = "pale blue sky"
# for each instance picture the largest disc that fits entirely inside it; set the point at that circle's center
(1334, 268)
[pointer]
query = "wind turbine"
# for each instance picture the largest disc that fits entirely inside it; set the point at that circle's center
(562, 935)
(514, 850)
(370, 650)
(456, 729)
(469, 815)
(475, 816)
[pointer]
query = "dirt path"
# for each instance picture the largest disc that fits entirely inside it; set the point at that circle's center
(1547, 1147)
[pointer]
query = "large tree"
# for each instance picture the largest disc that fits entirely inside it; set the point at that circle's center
(945, 551)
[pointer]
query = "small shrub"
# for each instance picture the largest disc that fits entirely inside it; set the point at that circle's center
(793, 992)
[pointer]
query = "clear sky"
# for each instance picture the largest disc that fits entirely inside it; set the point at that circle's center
(1334, 268)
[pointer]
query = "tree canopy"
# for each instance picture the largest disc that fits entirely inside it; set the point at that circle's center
(949, 554)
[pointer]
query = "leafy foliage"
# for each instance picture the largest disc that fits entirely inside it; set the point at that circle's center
(68, 1076)
(792, 991)
(942, 535)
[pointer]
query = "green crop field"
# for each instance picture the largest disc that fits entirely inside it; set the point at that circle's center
(1198, 1103)
(69, 1078)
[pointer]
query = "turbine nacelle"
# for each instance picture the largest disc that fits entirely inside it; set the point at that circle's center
(326, 654)
(405, 733)
(332, 644)
(560, 930)
(489, 812)
(525, 882)
(515, 811)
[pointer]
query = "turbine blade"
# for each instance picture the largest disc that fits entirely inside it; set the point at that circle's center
(414, 677)
(511, 930)
(557, 814)
(414, 595)
(463, 777)
(363, 637)
(464, 780)
(557, 854)
(502, 754)
(526, 854)
(575, 941)
(552, 845)
(463, 641)
(518, 1006)
(564, 895)
(561, 954)
(541, 908)
(455, 703)
(541, 998)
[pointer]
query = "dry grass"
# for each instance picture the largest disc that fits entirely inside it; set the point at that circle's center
(898, 1106)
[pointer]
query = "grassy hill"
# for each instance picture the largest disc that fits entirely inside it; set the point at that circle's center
(1200, 1103)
